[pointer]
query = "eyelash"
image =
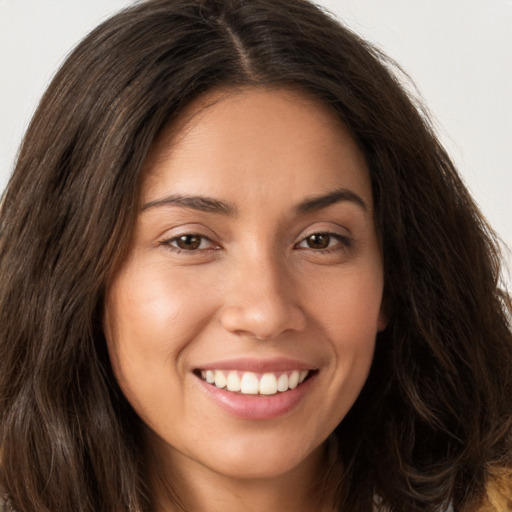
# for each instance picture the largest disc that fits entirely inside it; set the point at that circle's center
(178, 250)
(344, 243)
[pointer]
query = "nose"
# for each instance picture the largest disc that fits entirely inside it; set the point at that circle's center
(261, 301)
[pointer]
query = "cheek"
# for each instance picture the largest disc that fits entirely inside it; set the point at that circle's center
(149, 323)
(151, 309)
(348, 314)
(349, 305)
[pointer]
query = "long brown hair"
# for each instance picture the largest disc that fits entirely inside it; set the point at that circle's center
(436, 412)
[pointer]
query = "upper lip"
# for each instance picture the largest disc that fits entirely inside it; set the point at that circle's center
(280, 364)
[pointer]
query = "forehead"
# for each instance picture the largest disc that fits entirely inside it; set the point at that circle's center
(258, 141)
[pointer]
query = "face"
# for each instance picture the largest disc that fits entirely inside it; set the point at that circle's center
(241, 324)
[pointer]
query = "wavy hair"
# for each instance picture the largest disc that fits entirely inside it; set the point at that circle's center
(434, 418)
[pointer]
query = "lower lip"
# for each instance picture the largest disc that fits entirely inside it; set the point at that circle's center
(258, 407)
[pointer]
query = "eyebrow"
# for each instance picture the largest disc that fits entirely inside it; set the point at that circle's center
(314, 203)
(200, 203)
(210, 205)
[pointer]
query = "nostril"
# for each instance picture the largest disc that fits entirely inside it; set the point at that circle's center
(263, 321)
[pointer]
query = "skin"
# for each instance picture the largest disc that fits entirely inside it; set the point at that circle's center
(255, 287)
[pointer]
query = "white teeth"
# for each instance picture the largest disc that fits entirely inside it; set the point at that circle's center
(293, 380)
(220, 379)
(248, 383)
(268, 384)
(233, 383)
(282, 382)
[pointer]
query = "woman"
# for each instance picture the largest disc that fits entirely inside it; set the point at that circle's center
(238, 271)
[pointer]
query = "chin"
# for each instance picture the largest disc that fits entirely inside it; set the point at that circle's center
(257, 459)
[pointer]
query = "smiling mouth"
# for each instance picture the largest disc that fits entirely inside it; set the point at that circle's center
(251, 383)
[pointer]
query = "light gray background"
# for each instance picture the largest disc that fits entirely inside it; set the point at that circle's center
(458, 52)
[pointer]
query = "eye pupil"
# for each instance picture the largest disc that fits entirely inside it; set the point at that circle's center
(188, 242)
(319, 241)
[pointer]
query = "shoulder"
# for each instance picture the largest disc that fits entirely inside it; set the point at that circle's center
(498, 491)
(5, 506)
(378, 507)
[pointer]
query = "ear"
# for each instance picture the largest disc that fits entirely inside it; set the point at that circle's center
(382, 321)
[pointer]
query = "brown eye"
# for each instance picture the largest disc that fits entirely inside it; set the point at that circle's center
(318, 241)
(188, 242)
(325, 242)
